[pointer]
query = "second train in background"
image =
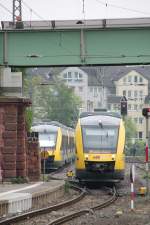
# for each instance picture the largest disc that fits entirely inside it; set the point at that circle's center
(56, 144)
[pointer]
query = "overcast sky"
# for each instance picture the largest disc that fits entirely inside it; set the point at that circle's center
(73, 9)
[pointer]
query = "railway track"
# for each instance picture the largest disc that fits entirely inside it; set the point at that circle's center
(27, 216)
(60, 173)
(79, 213)
(35, 214)
(135, 159)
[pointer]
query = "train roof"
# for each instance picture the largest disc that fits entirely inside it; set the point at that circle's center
(44, 128)
(102, 113)
(49, 126)
(100, 120)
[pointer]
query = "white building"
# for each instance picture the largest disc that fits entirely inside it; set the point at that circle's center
(134, 86)
(86, 85)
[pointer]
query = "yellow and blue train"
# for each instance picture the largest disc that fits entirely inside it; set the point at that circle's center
(56, 143)
(100, 143)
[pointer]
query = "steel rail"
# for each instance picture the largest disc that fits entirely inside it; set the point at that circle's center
(47, 209)
(135, 159)
(71, 216)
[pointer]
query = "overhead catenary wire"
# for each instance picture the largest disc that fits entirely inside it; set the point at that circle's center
(33, 11)
(122, 7)
(26, 5)
(4, 7)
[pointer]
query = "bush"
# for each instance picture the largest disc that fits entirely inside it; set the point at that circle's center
(138, 148)
(19, 180)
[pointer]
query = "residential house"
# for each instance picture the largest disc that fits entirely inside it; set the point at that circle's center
(134, 86)
(88, 85)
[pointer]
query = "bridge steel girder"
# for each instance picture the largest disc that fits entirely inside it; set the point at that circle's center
(112, 46)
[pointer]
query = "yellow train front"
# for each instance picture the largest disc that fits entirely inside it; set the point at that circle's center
(100, 142)
(56, 145)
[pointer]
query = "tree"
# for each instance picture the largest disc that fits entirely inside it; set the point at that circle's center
(130, 129)
(53, 101)
(59, 103)
(63, 105)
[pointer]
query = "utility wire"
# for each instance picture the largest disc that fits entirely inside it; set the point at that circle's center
(25, 4)
(121, 7)
(4, 7)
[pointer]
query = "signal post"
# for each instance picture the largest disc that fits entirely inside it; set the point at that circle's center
(123, 107)
(146, 114)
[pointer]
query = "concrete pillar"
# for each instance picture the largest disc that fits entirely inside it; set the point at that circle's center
(10, 82)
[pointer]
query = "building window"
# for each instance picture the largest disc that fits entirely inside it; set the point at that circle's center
(129, 94)
(140, 134)
(129, 107)
(135, 94)
(135, 107)
(141, 80)
(91, 89)
(124, 92)
(135, 79)
(67, 76)
(140, 120)
(78, 76)
(141, 94)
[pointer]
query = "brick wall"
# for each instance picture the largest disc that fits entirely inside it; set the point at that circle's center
(17, 157)
(33, 159)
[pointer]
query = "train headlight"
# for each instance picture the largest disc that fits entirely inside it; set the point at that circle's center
(86, 156)
(113, 157)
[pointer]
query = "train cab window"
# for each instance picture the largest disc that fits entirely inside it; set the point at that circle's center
(47, 139)
(100, 139)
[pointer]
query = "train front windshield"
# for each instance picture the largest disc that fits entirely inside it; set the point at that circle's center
(100, 140)
(47, 140)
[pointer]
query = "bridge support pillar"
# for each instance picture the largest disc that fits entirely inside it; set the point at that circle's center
(10, 82)
(13, 153)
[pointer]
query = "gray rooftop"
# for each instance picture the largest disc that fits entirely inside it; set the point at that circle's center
(97, 76)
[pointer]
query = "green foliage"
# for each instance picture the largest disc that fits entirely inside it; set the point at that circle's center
(19, 180)
(56, 102)
(29, 118)
(67, 186)
(63, 105)
(138, 148)
(130, 128)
